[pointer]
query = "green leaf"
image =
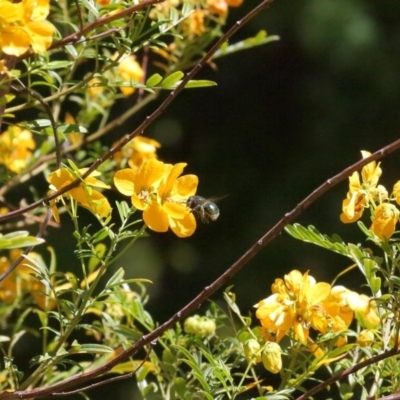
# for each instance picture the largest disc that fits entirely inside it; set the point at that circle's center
(154, 80)
(172, 79)
(196, 371)
(199, 83)
(68, 128)
(94, 261)
(18, 239)
(312, 235)
(258, 40)
(57, 65)
(77, 348)
(116, 278)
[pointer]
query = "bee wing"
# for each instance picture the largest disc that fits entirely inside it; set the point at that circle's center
(217, 199)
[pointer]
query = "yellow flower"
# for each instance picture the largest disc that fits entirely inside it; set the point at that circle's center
(84, 194)
(160, 191)
(163, 8)
(170, 209)
(362, 193)
(16, 147)
(137, 151)
(366, 338)
(386, 218)
(94, 90)
(73, 137)
(298, 302)
(21, 281)
(140, 184)
(22, 26)
(103, 2)
(220, 7)
(129, 69)
(365, 309)
(195, 22)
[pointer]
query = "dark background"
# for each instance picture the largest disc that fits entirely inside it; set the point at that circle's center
(283, 119)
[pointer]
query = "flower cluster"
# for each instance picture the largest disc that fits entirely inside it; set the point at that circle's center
(23, 25)
(199, 326)
(21, 281)
(83, 194)
(16, 147)
(137, 151)
(366, 193)
(298, 303)
(205, 12)
(161, 192)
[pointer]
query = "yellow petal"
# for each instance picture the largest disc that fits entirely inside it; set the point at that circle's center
(176, 171)
(60, 178)
(386, 218)
(319, 292)
(150, 174)
(184, 227)
(14, 41)
(186, 186)
(123, 181)
(175, 210)
(156, 218)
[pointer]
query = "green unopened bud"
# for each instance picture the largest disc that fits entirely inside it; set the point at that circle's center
(252, 351)
(272, 357)
(200, 326)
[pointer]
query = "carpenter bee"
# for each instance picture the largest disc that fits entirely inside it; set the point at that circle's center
(205, 209)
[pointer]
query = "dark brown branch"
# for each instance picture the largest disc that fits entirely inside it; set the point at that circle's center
(352, 370)
(109, 380)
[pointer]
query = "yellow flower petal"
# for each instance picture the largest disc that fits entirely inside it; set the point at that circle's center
(184, 227)
(176, 171)
(386, 218)
(123, 181)
(60, 178)
(149, 174)
(186, 186)
(156, 218)
(175, 210)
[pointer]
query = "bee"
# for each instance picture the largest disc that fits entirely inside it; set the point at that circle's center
(203, 208)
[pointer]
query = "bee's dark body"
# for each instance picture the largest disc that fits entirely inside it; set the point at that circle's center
(203, 208)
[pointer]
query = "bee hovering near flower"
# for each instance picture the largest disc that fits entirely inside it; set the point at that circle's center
(205, 209)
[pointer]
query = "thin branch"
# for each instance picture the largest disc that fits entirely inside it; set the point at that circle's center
(352, 370)
(47, 108)
(109, 380)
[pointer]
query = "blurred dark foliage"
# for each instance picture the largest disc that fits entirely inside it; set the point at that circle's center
(284, 118)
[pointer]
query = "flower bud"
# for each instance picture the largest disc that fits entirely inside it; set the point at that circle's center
(252, 351)
(272, 357)
(365, 338)
(200, 326)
